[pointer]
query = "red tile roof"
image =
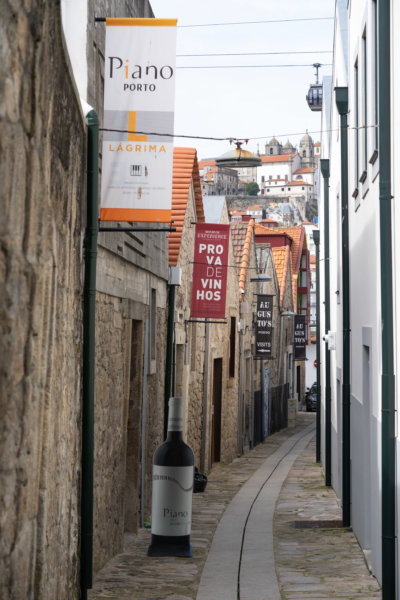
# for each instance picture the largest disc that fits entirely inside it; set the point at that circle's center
(305, 170)
(206, 163)
(281, 256)
(297, 235)
(185, 170)
(265, 158)
(241, 233)
(299, 182)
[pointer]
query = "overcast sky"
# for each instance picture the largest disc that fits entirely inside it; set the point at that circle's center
(247, 102)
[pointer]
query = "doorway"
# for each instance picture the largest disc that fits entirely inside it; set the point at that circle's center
(216, 411)
(298, 385)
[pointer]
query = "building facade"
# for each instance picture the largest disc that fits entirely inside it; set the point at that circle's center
(359, 287)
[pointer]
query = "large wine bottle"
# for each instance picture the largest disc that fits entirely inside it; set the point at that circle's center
(173, 473)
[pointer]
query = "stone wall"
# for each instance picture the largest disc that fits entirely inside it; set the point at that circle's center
(123, 308)
(189, 377)
(130, 266)
(42, 153)
(220, 348)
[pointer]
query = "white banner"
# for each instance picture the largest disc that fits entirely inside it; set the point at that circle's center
(139, 95)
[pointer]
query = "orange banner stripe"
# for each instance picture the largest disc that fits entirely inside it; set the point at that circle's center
(139, 215)
(133, 137)
(116, 22)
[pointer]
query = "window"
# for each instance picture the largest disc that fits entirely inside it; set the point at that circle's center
(375, 17)
(357, 122)
(232, 347)
(271, 151)
(365, 108)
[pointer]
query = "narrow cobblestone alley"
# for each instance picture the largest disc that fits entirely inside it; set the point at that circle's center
(310, 562)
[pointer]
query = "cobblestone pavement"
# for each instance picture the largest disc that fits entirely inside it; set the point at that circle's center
(315, 563)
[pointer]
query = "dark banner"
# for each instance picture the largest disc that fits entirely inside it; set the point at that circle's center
(264, 326)
(299, 337)
(211, 247)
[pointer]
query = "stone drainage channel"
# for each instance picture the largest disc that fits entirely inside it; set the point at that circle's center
(248, 536)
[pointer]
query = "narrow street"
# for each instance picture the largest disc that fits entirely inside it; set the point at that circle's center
(266, 528)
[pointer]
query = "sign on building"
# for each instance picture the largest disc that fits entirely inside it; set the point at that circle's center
(139, 93)
(264, 326)
(211, 248)
(300, 337)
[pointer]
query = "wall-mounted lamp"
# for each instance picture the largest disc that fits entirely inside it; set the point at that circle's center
(261, 278)
(288, 313)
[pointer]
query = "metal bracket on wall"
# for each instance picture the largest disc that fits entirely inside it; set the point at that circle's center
(207, 322)
(138, 229)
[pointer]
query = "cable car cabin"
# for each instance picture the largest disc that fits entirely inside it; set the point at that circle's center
(314, 97)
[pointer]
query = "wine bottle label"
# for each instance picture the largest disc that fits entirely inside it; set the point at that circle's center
(172, 500)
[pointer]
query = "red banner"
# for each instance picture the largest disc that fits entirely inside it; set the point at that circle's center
(211, 247)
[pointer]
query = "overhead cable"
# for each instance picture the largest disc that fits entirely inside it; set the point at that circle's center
(258, 22)
(248, 66)
(231, 139)
(256, 53)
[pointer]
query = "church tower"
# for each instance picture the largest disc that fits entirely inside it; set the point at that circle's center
(306, 151)
(273, 148)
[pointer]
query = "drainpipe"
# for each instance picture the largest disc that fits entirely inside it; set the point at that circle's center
(204, 466)
(342, 103)
(88, 358)
(169, 353)
(324, 162)
(388, 465)
(318, 424)
(262, 386)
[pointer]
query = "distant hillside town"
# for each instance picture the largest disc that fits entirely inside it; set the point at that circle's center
(285, 183)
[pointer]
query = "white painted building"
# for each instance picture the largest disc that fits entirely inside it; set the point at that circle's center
(311, 370)
(371, 494)
(289, 173)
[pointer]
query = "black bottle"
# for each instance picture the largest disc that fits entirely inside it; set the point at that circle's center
(173, 473)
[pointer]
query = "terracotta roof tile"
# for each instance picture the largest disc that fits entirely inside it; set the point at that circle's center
(265, 158)
(281, 257)
(299, 182)
(241, 234)
(185, 170)
(305, 170)
(206, 163)
(297, 235)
